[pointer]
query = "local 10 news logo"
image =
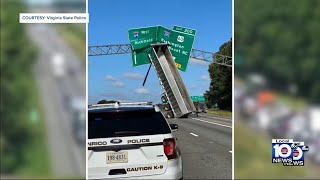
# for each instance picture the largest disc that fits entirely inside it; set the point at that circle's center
(288, 152)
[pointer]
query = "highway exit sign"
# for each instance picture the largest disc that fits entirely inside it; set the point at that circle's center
(197, 98)
(180, 43)
(185, 30)
(142, 37)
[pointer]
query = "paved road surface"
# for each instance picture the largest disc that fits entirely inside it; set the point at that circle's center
(67, 157)
(206, 146)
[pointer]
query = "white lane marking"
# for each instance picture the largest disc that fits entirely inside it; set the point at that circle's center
(212, 122)
(230, 151)
(194, 134)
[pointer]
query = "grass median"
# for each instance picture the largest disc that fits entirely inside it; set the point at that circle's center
(218, 112)
(75, 36)
(253, 157)
(36, 153)
(293, 102)
(24, 149)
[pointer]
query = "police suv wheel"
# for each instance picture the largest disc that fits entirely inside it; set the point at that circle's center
(167, 107)
(170, 115)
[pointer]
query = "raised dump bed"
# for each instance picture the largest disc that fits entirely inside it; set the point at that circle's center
(171, 81)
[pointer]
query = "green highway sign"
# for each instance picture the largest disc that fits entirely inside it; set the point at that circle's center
(201, 98)
(140, 56)
(180, 45)
(34, 115)
(197, 98)
(193, 98)
(185, 30)
(142, 37)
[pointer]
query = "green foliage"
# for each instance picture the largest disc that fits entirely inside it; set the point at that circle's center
(220, 90)
(75, 37)
(106, 101)
(253, 157)
(281, 40)
(17, 54)
(69, 4)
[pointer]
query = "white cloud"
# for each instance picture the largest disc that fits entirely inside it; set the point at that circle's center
(156, 95)
(110, 78)
(141, 91)
(114, 95)
(118, 84)
(205, 78)
(193, 87)
(197, 61)
(133, 75)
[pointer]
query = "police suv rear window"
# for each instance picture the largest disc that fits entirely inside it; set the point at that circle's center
(126, 123)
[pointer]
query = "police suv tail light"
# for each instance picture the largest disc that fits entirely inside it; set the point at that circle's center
(169, 147)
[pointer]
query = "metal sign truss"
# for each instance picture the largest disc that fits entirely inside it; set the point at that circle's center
(126, 48)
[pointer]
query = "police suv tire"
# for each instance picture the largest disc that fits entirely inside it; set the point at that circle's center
(167, 107)
(170, 114)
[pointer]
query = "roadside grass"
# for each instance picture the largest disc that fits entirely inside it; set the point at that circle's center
(253, 158)
(295, 103)
(37, 157)
(75, 36)
(219, 112)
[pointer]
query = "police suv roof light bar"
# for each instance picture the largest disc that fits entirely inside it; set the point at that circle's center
(136, 103)
(117, 104)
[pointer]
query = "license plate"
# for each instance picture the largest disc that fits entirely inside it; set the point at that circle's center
(117, 157)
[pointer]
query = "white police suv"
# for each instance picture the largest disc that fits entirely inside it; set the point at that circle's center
(131, 141)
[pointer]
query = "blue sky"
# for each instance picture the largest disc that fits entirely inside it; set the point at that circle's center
(113, 77)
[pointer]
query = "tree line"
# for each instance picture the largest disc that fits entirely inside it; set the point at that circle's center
(280, 40)
(17, 54)
(220, 90)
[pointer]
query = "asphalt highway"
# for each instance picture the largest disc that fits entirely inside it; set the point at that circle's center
(206, 146)
(67, 157)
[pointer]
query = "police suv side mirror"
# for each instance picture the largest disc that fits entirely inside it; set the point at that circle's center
(174, 127)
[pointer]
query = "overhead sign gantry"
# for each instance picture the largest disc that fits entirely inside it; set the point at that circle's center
(167, 51)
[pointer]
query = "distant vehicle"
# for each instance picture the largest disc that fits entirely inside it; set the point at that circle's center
(314, 115)
(239, 94)
(78, 108)
(248, 107)
(313, 131)
(58, 65)
(280, 127)
(298, 127)
(314, 150)
(255, 83)
(131, 141)
(254, 97)
(201, 107)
